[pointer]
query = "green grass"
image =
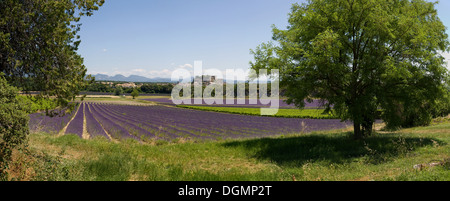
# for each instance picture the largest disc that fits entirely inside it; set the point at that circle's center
(331, 155)
(153, 97)
(288, 113)
(114, 99)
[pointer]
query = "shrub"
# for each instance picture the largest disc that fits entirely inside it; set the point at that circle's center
(118, 91)
(13, 124)
(135, 93)
(443, 107)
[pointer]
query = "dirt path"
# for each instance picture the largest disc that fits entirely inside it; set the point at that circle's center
(85, 134)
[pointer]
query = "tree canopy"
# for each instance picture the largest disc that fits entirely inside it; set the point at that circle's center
(38, 44)
(135, 93)
(361, 56)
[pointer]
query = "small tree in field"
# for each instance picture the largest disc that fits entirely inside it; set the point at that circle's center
(118, 91)
(360, 57)
(135, 93)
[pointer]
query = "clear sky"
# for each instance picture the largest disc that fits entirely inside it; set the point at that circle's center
(154, 37)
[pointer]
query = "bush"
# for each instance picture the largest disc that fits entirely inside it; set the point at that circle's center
(118, 91)
(412, 113)
(13, 124)
(443, 107)
(37, 104)
(135, 93)
(407, 116)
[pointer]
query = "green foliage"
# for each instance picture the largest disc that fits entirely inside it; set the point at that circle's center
(99, 87)
(38, 52)
(13, 124)
(156, 88)
(409, 111)
(360, 56)
(165, 88)
(37, 104)
(118, 91)
(442, 108)
(39, 43)
(287, 113)
(135, 93)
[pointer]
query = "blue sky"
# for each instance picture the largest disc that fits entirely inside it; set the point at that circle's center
(154, 37)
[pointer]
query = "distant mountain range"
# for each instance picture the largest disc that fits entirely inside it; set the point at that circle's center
(131, 78)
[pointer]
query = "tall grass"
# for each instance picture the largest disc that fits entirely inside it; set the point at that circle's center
(331, 155)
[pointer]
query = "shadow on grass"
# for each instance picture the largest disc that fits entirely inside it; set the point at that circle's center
(336, 148)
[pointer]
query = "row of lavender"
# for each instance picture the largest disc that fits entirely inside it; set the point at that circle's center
(39, 122)
(84, 122)
(168, 123)
(248, 103)
(85, 116)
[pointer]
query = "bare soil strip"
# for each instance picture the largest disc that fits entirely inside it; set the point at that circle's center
(85, 134)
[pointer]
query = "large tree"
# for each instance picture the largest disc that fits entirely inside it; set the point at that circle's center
(39, 43)
(361, 56)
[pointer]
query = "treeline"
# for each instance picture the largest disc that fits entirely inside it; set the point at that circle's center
(116, 88)
(247, 91)
(158, 88)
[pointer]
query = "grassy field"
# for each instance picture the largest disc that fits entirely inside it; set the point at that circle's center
(288, 113)
(331, 155)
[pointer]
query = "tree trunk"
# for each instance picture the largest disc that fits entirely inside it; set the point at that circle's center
(367, 127)
(357, 131)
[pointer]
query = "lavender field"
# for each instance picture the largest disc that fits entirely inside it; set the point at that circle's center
(248, 103)
(157, 122)
(41, 123)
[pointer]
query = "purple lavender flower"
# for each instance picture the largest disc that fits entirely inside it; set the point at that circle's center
(282, 103)
(113, 129)
(76, 125)
(168, 122)
(39, 122)
(93, 127)
(211, 125)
